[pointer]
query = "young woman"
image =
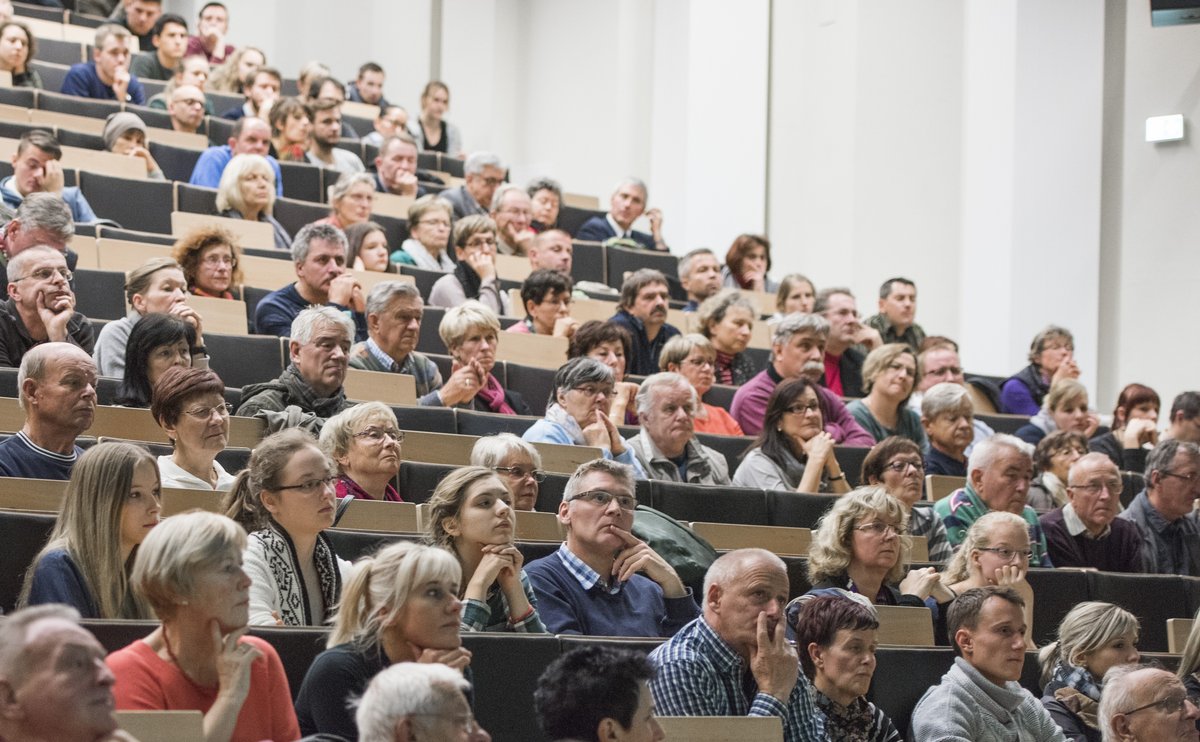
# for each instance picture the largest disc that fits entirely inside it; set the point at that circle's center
(18, 47)
(189, 405)
(1134, 428)
(1065, 408)
(125, 134)
(431, 130)
(291, 126)
(747, 263)
(796, 294)
(368, 248)
(228, 77)
(995, 551)
(157, 343)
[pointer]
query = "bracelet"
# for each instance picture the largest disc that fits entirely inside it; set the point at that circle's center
(837, 478)
(514, 620)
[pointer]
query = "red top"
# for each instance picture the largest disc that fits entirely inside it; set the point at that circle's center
(833, 374)
(718, 422)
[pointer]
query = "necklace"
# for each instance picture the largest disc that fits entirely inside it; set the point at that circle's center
(178, 664)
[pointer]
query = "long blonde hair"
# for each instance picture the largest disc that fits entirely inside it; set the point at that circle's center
(1086, 628)
(89, 528)
(1190, 661)
(979, 536)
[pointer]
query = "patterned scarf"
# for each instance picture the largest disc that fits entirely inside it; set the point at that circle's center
(724, 368)
(1078, 692)
(851, 723)
(302, 394)
(284, 566)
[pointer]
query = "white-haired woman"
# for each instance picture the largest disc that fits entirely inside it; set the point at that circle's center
(401, 605)
(948, 418)
(189, 569)
(351, 200)
(471, 332)
(247, 191)
(365, 443)
(428, 245)
(995, 551)
(518, 462)
(1092, 638)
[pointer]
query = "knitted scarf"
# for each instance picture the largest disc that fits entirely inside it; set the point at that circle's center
(300, 393)
(556, 414)
(285, 568)
(469, 279)
(1076, 689)
(723, 369)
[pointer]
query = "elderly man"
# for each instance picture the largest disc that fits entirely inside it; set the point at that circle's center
(667, 447)
(392, 120)
(1163, 511)
(628, 202)
(937, 364)
(210, 34)
(169, 38)
(596, 694)
(797, 347)
(319, 253)
(40, 306)
(735, 659)
(551, 250)
(998, 476)
(946, 415)
(54, 684)
(139, 17)
(897, 310)
(41, 219)
(36, 169)
(319, 349)
(980, 698)
(512, 211)
(1086, 532)
(106, 76)
(604, 581)
(700, 274)
(261, 93)
(326, 133)
(483, 173)
(843, 361)
(417, 702)
(57, 388)
(251, 136)
(396, 166)
(1184, 424)
(1146, 704)
(186, 108)
(643, 312)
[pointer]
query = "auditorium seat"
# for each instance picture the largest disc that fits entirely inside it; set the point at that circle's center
(418, 479)
(1004, 423)
(301, 181)
(52, 77)
(153, 117)
(23, 535)
(22, 97)
(353, 545)
(117, 233)
(689, 502)
(8, 381)
(796, 509)
(720, 395)
(46, 13)
(244, 359)
(851, 459)
(622, 260)
(394, 227)
(133, 204)
(533, 384)
(219, 130)
(471, 422)
(293, 215)
(730, 446)
(195, 199)
(176, 163)
(505, 668)
(1133, 482)
(428, 419)
(588, 262)
(1056, 592)
(69, 138)
(571, 218)
(425, 280)
(1152, 598)
(251, 296)
(100, 294)
(61, 103)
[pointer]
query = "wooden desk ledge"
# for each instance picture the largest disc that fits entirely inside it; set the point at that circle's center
(781, 540)
(723, 728)
(905, 626)
(1178, 631)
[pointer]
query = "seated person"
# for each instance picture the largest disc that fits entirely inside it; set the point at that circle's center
(390, 121)
(351, 199)
(747, 263)
(417, 701)
(1052, 461)
(700, 275)
(1093, 638)
(889, 373)
(41, 219)
(546, 295)
(939, 363)
(106, 76)
(471, 333)
(578, 413)
(1184, 423)
(628, 202)
(727, 319)
(594, 693)
(518, 463)
(40, 307)
(642, 311)
(1130, 688)
(125, 134)
(227, 76)
(553, 250)
(1065, 408)
(483, 172)
(209, 257)
(694, 357)
(896, 464)
(247, 191)
(291, 127)
(474, 275)
(312, 382)
(396, 166)
(211, 30)
(189, 569)
(169, 38)
(326, 132)
(1134, 428)
(367, 248)
(250, 136)
(797, 293)
(666, 448)
(1051, 357)
(792, 452)
(1085, 531)
(261, 88)
(980, 698)
(57, 389)
(36, 169)
(847, 334)
(158, 342)
(427, 246)
(512, 211)
(1164, 510)
(189, 405)
(946, 416)
(319, 253)
(20, 47)
(431, 130)
(394, 312)
(998, 475)
(603, 580)
(184, 98)
(612, 345)
(111, 503)
(295, 575)
(995, 551)
(895, 321)
(545, 198)
(364, 441)
(138, 16)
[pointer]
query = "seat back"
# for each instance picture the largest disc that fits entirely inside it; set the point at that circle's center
(698, 502)
(134, 204)
(938, 486)
(100, 294)
(797, 509)
(1056, 591)
(505, 668)
(244, 359)
(23, 535)
(301, 181)
(1178, 631)
(472, 422)
(1152, 598)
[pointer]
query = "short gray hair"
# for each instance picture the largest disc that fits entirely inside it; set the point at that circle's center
(797, 323)
(945, 397)
(490, 450)
(824, 295)
(504, 190)
(405, 689)
(648, 390)
(581, 370)
(338, 432)
(623, 473)
(458, 321)
(385, 291)
(309, 232)
(1164, 453)
(18, 263)
(989, 449)
(307, 322)
(544, 184)
(685, 263)
(345, 182)
(14, 633)
(638, 182)
(477, 161)
(1120, 693)
(33, 364)
(47, 212)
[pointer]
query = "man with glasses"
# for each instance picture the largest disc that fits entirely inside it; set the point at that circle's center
(512, 210)
(483, 173)
(939, 363)
(1163, 511)
(981, 698)
(312, 382)
(41, 219)
(396, 166)
(844, 361)
(40, 306)
(417, 702)
(186, 108)
(1086, 532)
(667, 447)
(1146, 704)
(57, 389)
(604, 581)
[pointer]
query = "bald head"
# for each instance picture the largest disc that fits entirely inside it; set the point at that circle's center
(741, 589)
(1092, 465)
(252, 137)
(186, 108)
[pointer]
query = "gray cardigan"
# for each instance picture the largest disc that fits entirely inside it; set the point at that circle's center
(966, 707)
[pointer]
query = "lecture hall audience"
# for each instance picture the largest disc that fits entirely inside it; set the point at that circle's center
(888, 375)
(471, 332)
(642, 311)
(592, 694)
(939, 363)
(483, 173)
(1163, 511)
(512, 211)
(1052, 461)
(156, 343)
(626, 205)
(546, 295)
(250, 136)
(56, 386)
(37, 168)
(394, 313)
(429, 221)
(106, 76)
(747, 263)
(367, 248)
(1134, 428)
(700, 276)
(396, 163)
(125, 134)
(41, 219)
(18, 47)
(415, 702)
(947, 416)
(895, 322)
(474, 275)
(1065, 408)
(1129, 689)
(1085, 531)
(612, 345)
(351, 200)
(843, 357)
(431, 129)
(727, 318)
(1051, 358)
(546, 199)
(247, 191)
(796, 294)
(693, 356)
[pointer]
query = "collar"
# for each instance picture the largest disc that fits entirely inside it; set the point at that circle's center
(1075, 526)
(722, 655)
(636, 321)
(1154, 519)
(587, 577)
(6, 185)
(1009, 696)
(65, 458)
(616, 228)
(387, 361)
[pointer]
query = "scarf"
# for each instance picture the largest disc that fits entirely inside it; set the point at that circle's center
(469, 279)
(1031, 376)
(1077, 679)
(723, 368)
(293, 594)
(556, 414)
(305, 398)
(201, 292)
(492, 395)
(853, 723)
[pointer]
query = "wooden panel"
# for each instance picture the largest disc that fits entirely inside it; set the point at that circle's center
(905, 626)
(15, 114)
(580, 201)
(67, 120)
(226, 316)
(248, 234)
(438, 448)
(684, 321)
(136, 424)
(376, 515)
(586, 309)
(919, 549)
(85, 247)
(104, 163)
(380, 386)
(561, 459)
(980, 401)
(6, 78)
(780, 540)
(518, 306)
(245, 432)
(764, 300)
(938, 486)
(369, 279)
(181, 139)
(539, 351)
(389, 204)
(267, 273)
(723, 728)
(12, 417)
(514, 268)
(1178, 631)
(163, 726)
(360, 110)
(534, 526)
(176, 500)
(125, 255)
(44, 495)
(45, 29)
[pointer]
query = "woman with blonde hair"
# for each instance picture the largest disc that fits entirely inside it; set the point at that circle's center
(796, 294)
(209, 257)
(431, 130)
(1065, 408)
(995, 551)
(471, 332)
(111, 503)
(364, 441)
(1189, 663)
(1092, 637)
(694, 356)
(889, 375)
(400, 605)
(247, 191)
(471, 516)
(229, 77)
(351, 200)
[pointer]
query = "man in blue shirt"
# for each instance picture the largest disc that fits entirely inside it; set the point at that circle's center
(36, 169)
(57, 386)
(107, 76)
(628, 202)
(251, 136)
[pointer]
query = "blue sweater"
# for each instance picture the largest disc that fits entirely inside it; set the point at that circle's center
(56, 579)
(277, 309)
(546, 431)
(637, 609)
(20, 457)
(211, 165)
(83, 80)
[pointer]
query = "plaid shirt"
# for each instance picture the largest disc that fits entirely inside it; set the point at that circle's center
(478, 615)
(368, 357)
(588, 577)
(697, 673)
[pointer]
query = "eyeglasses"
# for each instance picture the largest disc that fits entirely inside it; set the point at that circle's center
(800, 409)
(591, 390)
(1189, 478)
(311, 486)
(700, 362)
(945, 370)
(466, 721)
(45, 274)
(1007, 554)
(478, 243)
(1114, 486)
(376, 435)
(441, 223)
(602, 498)
(902, 467)
(189, 102)
(491, 182)
(205, 413)
(879, 528)
(1172, 704)
(520, 472)
(216, 260)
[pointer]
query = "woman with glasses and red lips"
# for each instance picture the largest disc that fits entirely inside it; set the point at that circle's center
(209, 257)
(365, 443)
(518, 463)
(995, 551)
(189, 405)
(285, 500)
(896, 464)
(793, 452)
(471, 516)
(694, 356)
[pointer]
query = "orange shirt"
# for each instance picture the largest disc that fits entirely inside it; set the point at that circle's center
(718, 422)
